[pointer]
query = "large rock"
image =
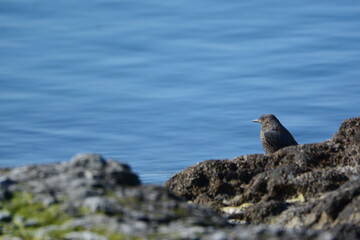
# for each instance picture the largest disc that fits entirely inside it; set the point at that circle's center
(312, 186)
(83, 176)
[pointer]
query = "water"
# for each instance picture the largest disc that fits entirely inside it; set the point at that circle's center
(162, 85)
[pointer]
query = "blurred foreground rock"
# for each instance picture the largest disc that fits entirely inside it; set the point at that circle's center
(310, 186)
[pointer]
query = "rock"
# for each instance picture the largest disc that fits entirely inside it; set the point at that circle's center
(8, 237)
(87, 161)
(5, 216)
(5, 184)
(312, 186)
(101, 204)
(85, 175)
(83, 236)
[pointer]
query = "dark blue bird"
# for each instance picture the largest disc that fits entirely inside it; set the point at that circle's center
(273, 135)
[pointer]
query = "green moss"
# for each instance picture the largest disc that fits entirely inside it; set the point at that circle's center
(60, 234)
(129, 201)
(5, 171)
(120, 236)
(22, 208)
(22, 204)
(16, 230)
(83, 211)
(180, 212)
(109, 193)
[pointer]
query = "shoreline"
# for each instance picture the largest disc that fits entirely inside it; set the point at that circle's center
(308, 191)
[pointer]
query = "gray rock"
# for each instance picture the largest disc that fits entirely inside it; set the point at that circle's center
(84, 236)
(5, 216)
(8, 237)
(102, 204)
(5, 184)
(87, 161)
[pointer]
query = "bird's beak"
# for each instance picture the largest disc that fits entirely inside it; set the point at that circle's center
(256, 120)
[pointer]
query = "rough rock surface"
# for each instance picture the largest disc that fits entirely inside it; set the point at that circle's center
(90, 197)
(310, 186)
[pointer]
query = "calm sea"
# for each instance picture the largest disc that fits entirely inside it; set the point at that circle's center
(162, 85)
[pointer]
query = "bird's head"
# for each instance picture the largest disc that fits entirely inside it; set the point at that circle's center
(267, 121)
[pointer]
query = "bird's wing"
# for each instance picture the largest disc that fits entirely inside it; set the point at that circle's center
(274, 139)
(291, 140)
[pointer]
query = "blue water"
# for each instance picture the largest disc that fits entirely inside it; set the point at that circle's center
(162, 85)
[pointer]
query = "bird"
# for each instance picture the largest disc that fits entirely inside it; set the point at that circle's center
(273, 135)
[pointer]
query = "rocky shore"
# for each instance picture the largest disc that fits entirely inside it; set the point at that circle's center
(309, 191)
